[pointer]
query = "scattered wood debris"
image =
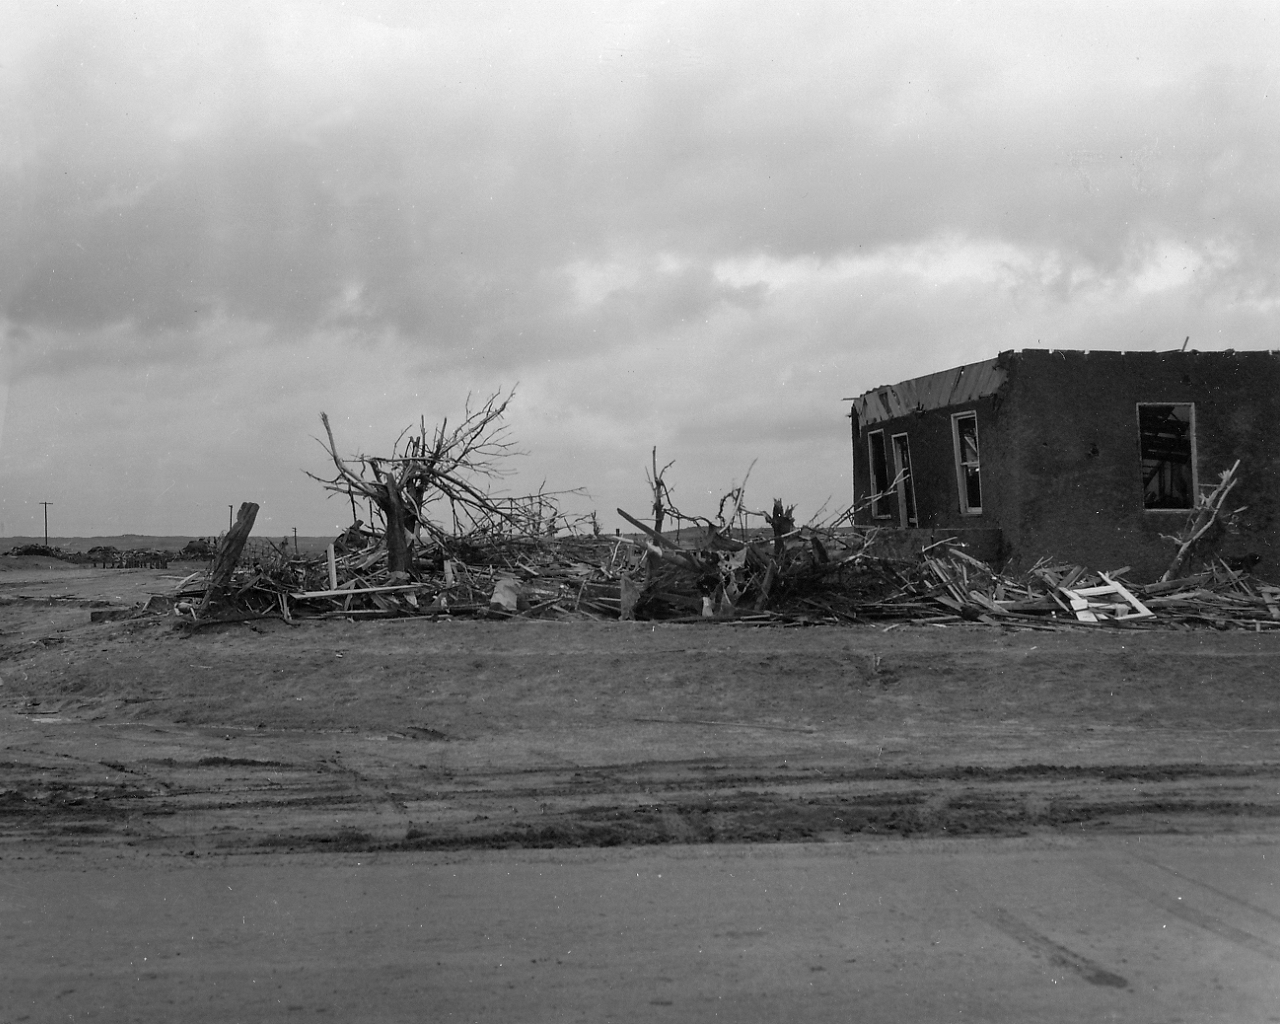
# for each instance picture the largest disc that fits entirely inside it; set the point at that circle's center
(1057, 596)
(803, 576)
(521, 558)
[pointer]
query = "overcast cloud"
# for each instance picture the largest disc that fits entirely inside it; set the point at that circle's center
(696, 226)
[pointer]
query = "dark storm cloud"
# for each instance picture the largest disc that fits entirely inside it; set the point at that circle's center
(695, 225)
(431, 206)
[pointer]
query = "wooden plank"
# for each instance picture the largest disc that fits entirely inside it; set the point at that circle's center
(1142, 612)
(1080, 606)
(986, 602)
(1185, 583)
(648, 530)
(938, 543)
(354, 592)
(955, 553)
(1131, 609)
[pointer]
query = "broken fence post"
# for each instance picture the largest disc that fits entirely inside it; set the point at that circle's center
(628, 596)
(224, 562)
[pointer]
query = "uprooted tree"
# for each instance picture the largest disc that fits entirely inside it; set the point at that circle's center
(451, 467)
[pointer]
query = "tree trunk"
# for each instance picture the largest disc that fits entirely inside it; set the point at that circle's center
(783, 522)
(224, 562)
(399, 556)
(653, 560)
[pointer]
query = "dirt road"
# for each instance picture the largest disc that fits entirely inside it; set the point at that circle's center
(1150, 931)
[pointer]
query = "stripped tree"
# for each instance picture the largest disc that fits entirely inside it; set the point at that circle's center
(452, 466)
(1206, 513)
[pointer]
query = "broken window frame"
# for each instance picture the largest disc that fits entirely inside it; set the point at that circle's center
(967, 470)
(1149, 464)
(881, 483)
(908, 514)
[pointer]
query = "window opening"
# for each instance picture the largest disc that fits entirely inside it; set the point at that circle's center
(1167, 443)
(907, 515)
(964, 432)
(880, 496)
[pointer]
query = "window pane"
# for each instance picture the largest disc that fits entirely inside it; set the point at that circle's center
(902, 460)
(880, 507)
(1165, 433)
(968, 472)
(968, 440)
(973, 487)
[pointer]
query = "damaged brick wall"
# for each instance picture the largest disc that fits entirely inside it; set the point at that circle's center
(1072, 418)
(1061, 467)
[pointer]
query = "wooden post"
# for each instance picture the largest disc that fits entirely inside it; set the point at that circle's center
(224, 562)
(628, 596)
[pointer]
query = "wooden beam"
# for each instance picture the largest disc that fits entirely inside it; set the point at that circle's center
(352, 590)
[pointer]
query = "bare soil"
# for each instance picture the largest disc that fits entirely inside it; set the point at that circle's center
(419, 735)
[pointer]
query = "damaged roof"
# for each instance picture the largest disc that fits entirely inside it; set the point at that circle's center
(934, 391)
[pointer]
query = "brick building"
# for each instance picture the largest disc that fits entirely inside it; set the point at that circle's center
(1087, 457)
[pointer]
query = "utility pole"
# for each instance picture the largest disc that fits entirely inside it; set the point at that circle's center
(46, 505)
(295, 542)
(230, 509)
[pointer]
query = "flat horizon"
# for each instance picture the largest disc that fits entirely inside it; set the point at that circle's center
(160, 542)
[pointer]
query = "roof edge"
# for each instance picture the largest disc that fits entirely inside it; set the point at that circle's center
(956, 386)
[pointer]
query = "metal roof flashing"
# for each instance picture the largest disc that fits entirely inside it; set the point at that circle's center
(956, 386)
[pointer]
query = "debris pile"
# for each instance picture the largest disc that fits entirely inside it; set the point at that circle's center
(106, 556)
(38, 550)
(953, 587)
(521, 557)
(803, 576)
(134, 558)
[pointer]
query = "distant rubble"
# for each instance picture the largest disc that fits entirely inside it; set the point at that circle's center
(109, 557)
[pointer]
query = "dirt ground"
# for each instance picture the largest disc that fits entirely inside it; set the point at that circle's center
(408, 734)
(1056, 930)
(716, 822)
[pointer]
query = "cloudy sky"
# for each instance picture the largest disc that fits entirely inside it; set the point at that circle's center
(698, 226)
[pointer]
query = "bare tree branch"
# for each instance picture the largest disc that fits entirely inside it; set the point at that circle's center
(450, 465)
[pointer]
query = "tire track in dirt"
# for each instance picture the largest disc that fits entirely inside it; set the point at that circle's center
(1186, 910)
(1220, 894)
(219, 800)
(1089, 970)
